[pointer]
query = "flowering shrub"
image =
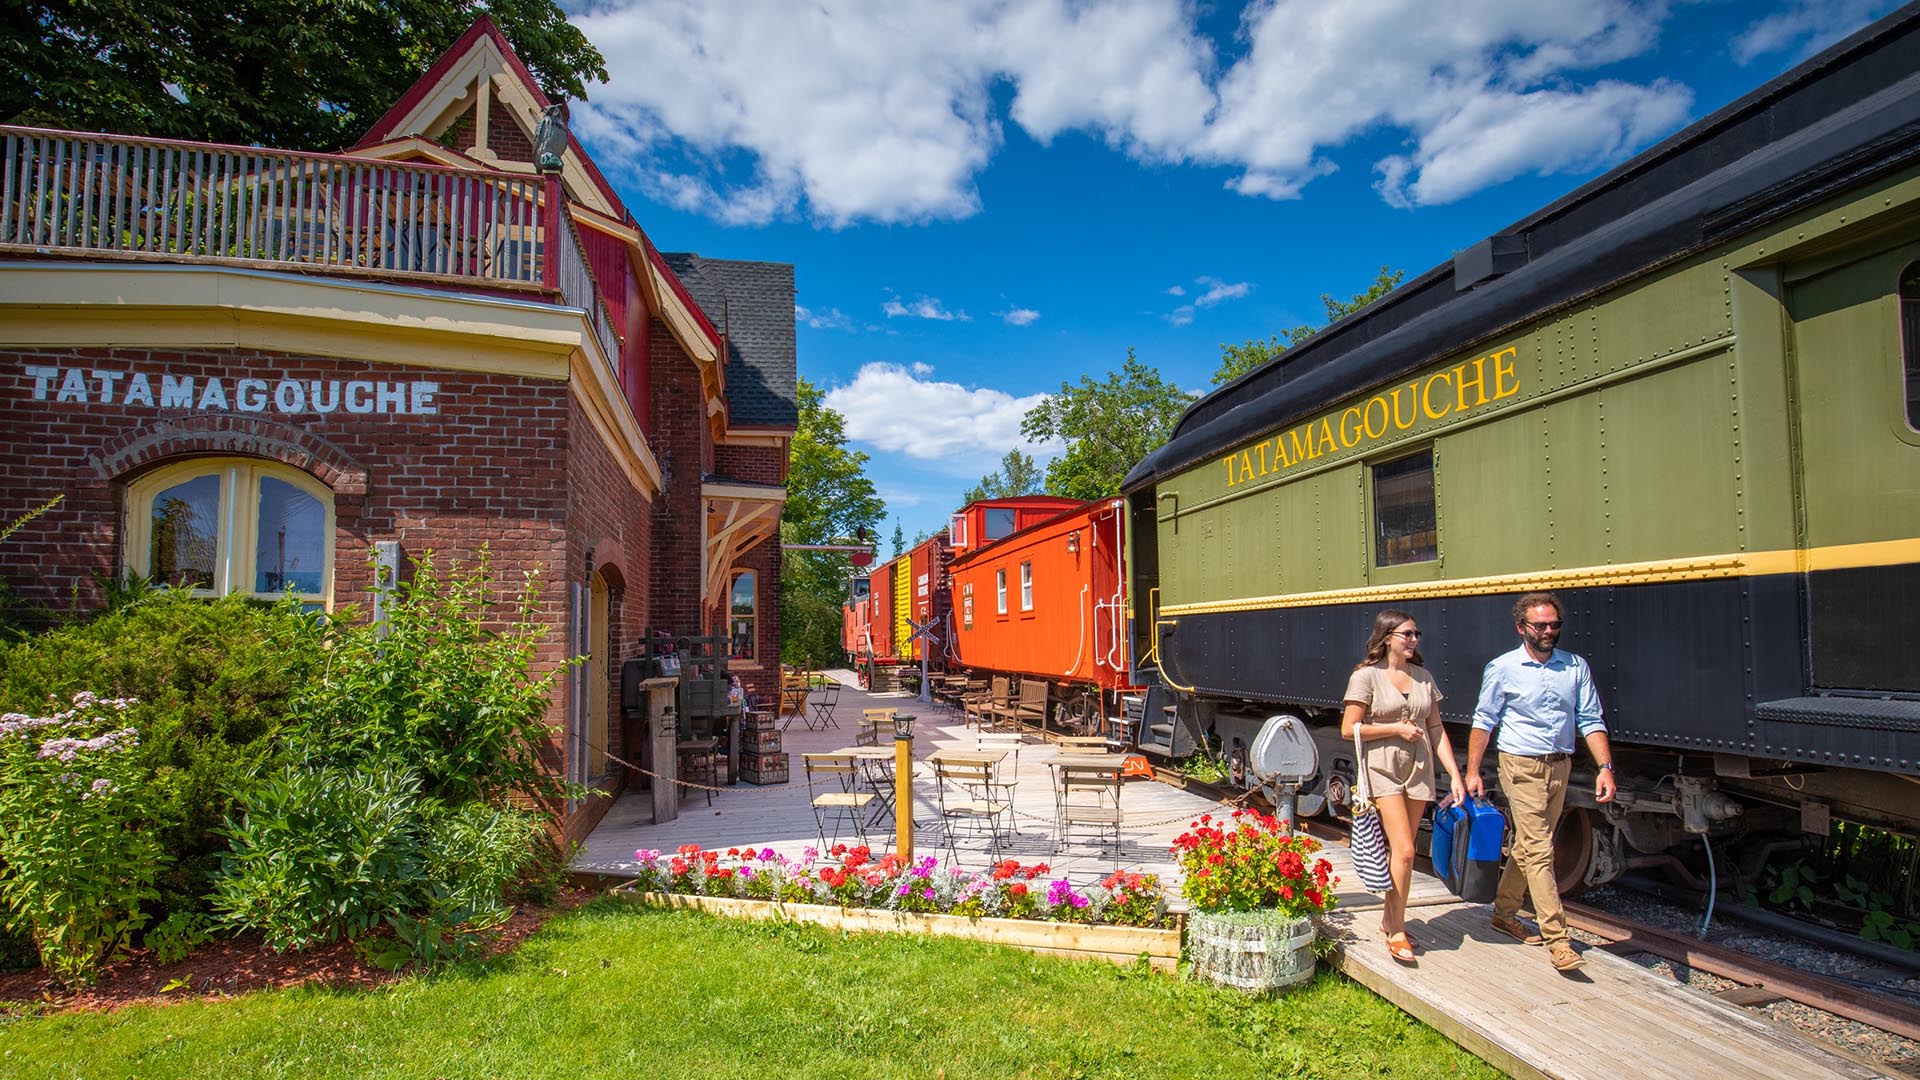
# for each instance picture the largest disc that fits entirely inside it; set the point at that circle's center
(77, 855)
(851, 877)
(1247, 862)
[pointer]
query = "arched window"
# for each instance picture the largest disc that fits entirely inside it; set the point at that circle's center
(232, 525)
(1910, 338)
(743, 614)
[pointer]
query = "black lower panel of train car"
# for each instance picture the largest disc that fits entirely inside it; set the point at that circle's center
(1866, 634)
(1678, 664)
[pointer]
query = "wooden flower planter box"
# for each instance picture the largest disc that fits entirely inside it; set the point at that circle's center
(1119, 944)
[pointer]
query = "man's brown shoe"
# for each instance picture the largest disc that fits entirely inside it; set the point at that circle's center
(1564, 958)
(1514, 928)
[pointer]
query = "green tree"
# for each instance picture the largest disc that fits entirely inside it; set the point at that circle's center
(1017, 475)
(829, 499)
(1237, 360)
(899, 539)
(1108, 427)
(301, 74)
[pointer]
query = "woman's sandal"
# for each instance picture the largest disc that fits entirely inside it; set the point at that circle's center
(1401, 949)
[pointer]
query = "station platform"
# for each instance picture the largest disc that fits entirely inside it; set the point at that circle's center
(1498, 998)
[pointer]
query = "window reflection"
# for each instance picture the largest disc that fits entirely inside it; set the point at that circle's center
(742, 609)
(185, 533)
(1910, 338)
(1403, 512)
(290, 542)
(999, 523)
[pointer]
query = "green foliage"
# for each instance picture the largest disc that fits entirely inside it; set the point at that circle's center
(325, 853)
(829, 500)
(1017, 475)
(1248, 862)
(77, 856)
(1237, 360)
(173, 937)
(899, 539)
(307, 76)
(213, 679)
(1108, 427)
(439, 686)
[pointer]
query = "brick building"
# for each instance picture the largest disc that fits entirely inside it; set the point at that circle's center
(251, 371)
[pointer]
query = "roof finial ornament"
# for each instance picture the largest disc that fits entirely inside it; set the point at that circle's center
(550, 137)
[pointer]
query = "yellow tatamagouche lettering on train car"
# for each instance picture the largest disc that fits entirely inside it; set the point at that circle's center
(1436, 396)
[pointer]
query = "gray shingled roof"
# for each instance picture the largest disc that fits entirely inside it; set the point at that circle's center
(752, 303)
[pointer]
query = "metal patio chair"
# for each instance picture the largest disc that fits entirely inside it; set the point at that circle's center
(833, 790)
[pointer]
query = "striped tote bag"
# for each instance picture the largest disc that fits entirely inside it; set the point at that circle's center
(1368, 844)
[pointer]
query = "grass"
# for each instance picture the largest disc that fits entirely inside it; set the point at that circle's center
(613, 990)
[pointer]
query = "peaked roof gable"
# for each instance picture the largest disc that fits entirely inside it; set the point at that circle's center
(751, 303)
(482, 58)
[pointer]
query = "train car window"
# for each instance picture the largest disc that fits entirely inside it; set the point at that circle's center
(966, 605)
(1404, 529)
(1910, 338)
(743, 612)
(999, 522)
(1026, 586)
(1000, 584)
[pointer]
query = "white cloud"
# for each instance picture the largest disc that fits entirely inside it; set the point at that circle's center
(1497, 136)
(1218, 290)
(1177, 290)
(1181, 315)
(926, 307)
(859, 110)
(900, 410)
(830, 319)
(921, 370)
(1021, 316)
(1806, 27)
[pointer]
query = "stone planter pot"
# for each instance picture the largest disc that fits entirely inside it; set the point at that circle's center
(1119, 944)
(1256, 951)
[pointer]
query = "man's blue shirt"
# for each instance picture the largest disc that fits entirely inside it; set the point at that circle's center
(1533, 707)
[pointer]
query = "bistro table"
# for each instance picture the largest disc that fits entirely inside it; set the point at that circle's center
(875, 765)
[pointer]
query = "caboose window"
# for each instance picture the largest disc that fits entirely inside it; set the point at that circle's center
(1000, 586)
(1403, 514)
(1026, 586)
(999, 523)
(1910, 338)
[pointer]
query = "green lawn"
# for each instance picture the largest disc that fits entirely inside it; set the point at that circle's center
(617, 991)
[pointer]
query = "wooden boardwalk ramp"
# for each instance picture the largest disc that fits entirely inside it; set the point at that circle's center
(1609, 1020)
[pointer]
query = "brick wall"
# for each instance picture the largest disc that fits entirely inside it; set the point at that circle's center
(683, 446)
(504, 136)
(755, 464)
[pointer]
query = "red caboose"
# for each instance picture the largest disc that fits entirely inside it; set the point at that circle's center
(1045, 598)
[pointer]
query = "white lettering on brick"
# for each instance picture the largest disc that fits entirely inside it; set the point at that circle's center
(139, 391)
(251, 395)
(176, 392)
(214, 396)
(73, 387)
(292, 397)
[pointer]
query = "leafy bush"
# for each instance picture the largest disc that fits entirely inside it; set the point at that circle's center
(1247, 861)
(75, 862)
(324, 853)
(213, 679)
(440, 685)
(173, 937)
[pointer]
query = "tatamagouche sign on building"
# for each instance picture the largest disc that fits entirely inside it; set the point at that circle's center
(249, 371)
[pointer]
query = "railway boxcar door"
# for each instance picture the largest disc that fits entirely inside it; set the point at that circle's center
(1856, 332)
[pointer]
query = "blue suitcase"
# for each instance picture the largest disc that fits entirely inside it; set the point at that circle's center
(1467, 839)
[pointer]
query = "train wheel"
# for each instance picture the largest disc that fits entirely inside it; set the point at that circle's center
(1573, 850)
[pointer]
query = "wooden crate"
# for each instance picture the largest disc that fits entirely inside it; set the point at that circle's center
(759, 742)
(761, 721)
(763, 768)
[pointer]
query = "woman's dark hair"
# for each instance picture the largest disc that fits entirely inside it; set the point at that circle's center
(1384, 624)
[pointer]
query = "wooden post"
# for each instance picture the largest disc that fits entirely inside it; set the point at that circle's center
(903, 792)
(553, 221)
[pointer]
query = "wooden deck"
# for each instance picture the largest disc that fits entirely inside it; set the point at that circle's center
(1498, 998)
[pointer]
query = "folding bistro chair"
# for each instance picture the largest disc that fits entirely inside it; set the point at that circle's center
(833, 789)
(822, 700)
(1087, 797)
(793, 705)
(970, 799)
(872, 722)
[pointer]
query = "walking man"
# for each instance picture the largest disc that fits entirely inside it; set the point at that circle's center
(1535, 698)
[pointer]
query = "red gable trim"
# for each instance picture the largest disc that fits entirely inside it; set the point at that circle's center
(483, 26)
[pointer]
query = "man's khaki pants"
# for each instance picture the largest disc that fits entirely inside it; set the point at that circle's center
(1535, 790)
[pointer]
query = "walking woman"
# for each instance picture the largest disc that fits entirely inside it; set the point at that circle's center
(1394, 704)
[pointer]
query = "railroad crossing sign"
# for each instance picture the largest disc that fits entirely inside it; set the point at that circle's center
(924, 632)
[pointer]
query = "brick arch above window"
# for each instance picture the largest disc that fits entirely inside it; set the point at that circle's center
(252, 436)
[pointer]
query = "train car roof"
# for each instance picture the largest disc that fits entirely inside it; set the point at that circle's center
(993, 546)
(1843, 118)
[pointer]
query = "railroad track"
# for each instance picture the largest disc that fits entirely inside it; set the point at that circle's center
(1761, 981)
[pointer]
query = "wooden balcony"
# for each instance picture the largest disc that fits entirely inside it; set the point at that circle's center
(118, 197)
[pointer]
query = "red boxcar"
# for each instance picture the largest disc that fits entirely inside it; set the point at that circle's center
(1047, 599)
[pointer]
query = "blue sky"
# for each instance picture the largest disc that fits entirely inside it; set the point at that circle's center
(985, 198)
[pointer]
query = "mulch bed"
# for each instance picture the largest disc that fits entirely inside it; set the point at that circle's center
(226, 967)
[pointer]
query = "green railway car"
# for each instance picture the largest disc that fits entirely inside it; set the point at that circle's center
(1685, 397)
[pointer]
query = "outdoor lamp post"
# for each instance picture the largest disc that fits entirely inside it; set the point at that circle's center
(903, 785)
